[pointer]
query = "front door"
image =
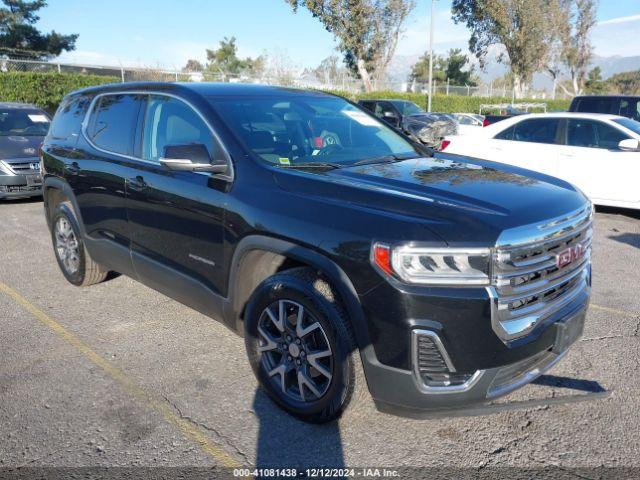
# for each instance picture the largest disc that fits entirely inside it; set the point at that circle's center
(176, 217)
(590, 159)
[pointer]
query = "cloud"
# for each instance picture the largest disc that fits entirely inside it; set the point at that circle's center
(614, 21)
(617, 36)
(90, 57)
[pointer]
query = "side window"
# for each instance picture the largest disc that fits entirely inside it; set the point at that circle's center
(535, 130)
(597, 105)
(113, 122)
(68, 118)
(592, 134)
(630, 108)
(384, 107)
(368, 105)
(506, 134)
(169, 121)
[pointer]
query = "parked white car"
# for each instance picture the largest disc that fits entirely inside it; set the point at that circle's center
(600, 154)
(468, 122)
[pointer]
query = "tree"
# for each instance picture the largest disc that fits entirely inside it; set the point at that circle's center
(625, 83)
(330, 71)
(280, 68)
(577, 50)
(456, 62)
(420, 69)
(521, 26)
(594, 83)
(553, 63)
(193, 66)
(450, 67)
(224, 60)
(367, 31)
(19, 38)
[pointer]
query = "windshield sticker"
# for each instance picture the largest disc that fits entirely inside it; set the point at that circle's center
(38, 118)
(362, 118)
(284, 161)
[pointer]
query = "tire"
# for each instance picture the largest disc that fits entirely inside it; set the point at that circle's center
(316, 398)
(74, 260)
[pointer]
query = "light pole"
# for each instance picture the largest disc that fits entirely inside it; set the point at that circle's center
(431, 58)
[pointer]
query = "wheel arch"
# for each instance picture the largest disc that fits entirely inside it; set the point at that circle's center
(257, 257)
(55, 190)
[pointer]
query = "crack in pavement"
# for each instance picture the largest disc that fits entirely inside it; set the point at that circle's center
(207, 428)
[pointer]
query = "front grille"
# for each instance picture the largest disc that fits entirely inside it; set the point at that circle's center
(21, 166)
(529, 285)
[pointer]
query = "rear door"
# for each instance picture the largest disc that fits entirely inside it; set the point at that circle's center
(97, 171)
(590, 159)
(176, 217)
(530, 143)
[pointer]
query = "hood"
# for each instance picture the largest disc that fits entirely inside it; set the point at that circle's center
(18, 146)
(465, 201)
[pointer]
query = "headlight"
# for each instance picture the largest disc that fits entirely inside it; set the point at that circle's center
(434, 266)
(4, 170)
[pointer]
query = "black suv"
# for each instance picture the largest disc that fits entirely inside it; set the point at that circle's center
(332, 243)
(623, 105)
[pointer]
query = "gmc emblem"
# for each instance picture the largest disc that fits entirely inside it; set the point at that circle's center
(569, 255)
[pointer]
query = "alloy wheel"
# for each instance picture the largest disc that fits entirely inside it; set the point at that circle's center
(295, 351)
(67, 246)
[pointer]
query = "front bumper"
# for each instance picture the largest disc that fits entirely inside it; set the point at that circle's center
(478, 344)
(14, 186)
(402, 392)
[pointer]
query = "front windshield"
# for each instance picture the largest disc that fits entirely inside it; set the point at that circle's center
(632, 125)
(23, 122)
(305, 130)
(408, 108)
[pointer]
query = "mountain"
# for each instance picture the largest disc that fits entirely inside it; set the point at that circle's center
(400, 67)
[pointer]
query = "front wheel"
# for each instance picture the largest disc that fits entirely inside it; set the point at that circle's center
(301, 346)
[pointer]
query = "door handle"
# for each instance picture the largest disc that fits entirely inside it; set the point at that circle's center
(73, 168)
(136, 184)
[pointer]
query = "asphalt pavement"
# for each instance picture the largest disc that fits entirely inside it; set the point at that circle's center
(119, 375)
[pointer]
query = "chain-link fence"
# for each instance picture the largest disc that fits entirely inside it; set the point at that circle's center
(284, 77)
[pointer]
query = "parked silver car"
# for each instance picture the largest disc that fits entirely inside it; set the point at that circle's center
(22, 131)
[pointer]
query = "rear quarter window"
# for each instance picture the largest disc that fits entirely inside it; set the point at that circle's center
(113, 122)
(67, 121)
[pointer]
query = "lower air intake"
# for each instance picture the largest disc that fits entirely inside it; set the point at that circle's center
(433, 364)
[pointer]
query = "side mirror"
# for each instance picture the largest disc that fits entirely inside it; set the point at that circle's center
(192, 157)
(629, 145)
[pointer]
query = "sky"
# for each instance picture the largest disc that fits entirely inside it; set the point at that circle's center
(169, 32)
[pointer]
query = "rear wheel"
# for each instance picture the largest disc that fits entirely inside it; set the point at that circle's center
(300, 345)
(74, 261)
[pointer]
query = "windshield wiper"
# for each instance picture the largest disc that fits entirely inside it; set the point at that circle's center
(311, 165)
(384, 159)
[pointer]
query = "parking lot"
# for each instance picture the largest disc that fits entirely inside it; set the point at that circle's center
(119, 375)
